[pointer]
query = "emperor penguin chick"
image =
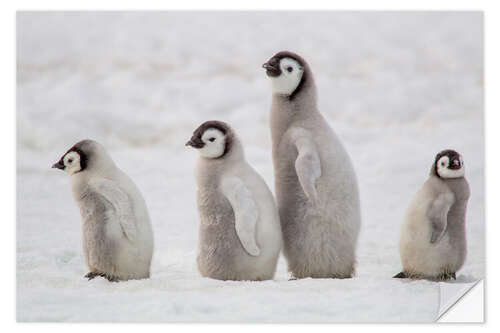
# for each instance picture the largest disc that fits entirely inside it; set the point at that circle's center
(117, 233)
(239, 231)
(316, 186)
(433, 244)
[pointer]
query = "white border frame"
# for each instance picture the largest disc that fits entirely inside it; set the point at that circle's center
(7, 171)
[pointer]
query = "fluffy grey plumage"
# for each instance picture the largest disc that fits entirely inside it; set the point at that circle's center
(117, 233)
(316, 187)
(433, 241)
(239, 231)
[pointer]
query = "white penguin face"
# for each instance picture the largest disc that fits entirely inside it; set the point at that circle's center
(214, 143)
(447, 168)
(71, 162)
(288, 80)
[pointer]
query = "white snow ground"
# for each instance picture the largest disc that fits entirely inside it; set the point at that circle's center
(396, 87)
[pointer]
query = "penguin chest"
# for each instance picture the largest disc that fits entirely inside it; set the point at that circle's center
(285, 155)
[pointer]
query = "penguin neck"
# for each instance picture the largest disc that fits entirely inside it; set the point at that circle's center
(296, 108)
(210, 169)
(459, 187)
(102, 167)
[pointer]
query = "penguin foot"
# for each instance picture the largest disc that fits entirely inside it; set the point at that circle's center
(91, 275)
(111, 278)
(447, 276)
(400, 275)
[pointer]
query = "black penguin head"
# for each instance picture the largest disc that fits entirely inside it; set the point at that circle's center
(449, 164)
(213, 139)
(287, 72)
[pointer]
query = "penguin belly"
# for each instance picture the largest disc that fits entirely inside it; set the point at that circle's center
(320, 241)
(221, 255)
(420, 257)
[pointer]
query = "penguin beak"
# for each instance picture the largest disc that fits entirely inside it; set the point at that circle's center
(455, 165)
(194, 144)
(271, 70)
(58, 165)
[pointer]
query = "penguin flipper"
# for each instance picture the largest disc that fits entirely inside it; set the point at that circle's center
(308, 166)
(245, 211)
(400, 275)
(438, 215)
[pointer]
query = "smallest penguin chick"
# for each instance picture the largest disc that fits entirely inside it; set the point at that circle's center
(433, 241)
(239, 231)
(117, 233)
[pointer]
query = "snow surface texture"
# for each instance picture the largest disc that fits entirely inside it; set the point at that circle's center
(396, 87)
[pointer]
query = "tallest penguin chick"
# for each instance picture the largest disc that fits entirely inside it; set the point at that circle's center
(316, 187)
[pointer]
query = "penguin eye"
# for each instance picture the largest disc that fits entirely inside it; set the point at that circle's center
(211, 139)
(289, 69)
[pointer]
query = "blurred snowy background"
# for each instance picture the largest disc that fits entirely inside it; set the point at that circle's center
(397, 87)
